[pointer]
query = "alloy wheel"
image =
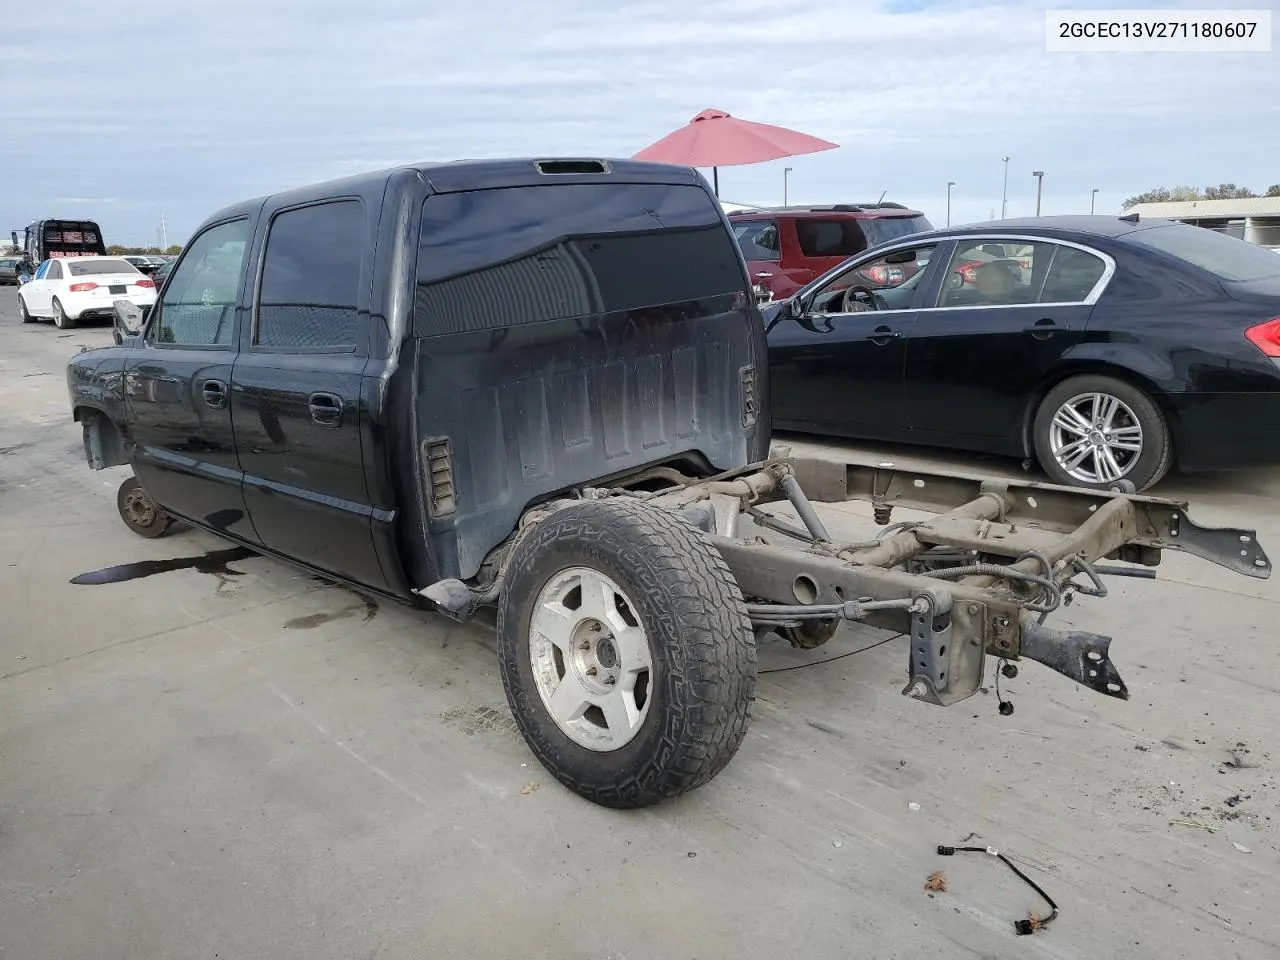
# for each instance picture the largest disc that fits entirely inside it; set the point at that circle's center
(1095, 438)
(591, 659)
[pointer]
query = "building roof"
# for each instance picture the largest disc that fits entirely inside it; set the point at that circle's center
(1210, 209)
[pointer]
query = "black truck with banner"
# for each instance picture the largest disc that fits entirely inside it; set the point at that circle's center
(43, 240)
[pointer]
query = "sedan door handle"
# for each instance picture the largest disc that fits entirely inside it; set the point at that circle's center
(882, 335)
(215, 393)
(326, 409)
(1044, 329)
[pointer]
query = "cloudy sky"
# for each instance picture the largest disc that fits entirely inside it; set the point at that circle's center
(127, 111)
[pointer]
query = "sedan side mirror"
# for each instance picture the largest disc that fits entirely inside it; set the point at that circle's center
(795, 308)
(127, 321)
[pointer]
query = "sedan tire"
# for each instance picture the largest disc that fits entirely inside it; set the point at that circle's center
(1096, 431)
(60, 318)
(23, 312)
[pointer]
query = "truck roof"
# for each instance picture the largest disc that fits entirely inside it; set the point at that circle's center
(459, 175)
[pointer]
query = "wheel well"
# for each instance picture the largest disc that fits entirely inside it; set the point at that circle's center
(104, 444)
(1157, 396)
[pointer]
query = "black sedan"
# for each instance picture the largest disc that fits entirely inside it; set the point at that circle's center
(1106, 347)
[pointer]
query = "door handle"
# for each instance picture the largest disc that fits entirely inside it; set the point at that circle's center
(1044, 329)
(326, 409)
(215, 393)
(882, 335)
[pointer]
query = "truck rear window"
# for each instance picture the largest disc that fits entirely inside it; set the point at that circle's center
(489, 259)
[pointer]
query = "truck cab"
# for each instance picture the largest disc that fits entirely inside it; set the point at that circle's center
(376, 377)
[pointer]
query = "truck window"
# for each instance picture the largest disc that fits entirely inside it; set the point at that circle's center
(199, 303)
(570, 250)
(311, 277)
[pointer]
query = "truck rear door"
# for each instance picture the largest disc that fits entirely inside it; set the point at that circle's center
(296, 397)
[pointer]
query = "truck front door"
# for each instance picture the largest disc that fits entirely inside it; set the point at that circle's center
(178, 386)
(296, 392)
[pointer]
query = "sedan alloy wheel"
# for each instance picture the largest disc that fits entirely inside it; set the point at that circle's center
(1096, 438)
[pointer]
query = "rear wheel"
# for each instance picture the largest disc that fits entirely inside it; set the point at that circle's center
(23, 313)
(60, 318)
(626, 652)
(139, 512)
(1096, 431)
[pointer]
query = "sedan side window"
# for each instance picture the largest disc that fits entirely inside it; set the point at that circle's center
(199, 303)
(886, 283)
(42, 270)
(1072, 276)
(55, 271)
(986, 273)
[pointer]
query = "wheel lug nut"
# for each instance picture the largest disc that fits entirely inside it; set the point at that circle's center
(610, 680)
(591, 671)
(585, 645)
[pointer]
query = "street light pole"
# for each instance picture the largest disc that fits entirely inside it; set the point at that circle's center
(1093, 196)
(950, 184)
(1004, 193)
(785, 172)
(1039, 175)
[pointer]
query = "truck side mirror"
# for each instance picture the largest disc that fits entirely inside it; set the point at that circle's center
(13, 235)
(127, 320)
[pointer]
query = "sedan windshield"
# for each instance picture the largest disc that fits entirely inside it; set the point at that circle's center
(98, 266)
(1225, 257)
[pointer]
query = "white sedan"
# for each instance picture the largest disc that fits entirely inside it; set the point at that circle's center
(68, 289)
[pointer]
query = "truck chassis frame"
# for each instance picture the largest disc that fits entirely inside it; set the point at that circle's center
(978, 578)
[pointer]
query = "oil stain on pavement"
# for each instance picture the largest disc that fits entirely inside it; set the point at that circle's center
(214, 563)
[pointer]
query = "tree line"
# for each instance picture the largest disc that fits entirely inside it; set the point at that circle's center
(117, 250)
(1223, 191)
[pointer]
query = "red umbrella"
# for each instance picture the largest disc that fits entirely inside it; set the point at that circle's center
(715, 139)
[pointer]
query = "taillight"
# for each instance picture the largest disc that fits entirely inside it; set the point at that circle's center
(1266, 337)
(82, 287)
(144, 283)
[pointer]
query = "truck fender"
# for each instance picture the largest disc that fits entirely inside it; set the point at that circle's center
(104, 444)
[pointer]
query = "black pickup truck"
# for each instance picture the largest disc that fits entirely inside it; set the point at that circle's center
(541, 385)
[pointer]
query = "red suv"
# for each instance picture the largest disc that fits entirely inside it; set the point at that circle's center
(786, 247)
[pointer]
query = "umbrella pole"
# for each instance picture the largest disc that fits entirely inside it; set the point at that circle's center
(715, 180)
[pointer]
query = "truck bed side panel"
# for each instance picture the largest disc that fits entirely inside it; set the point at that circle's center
(553, 406)
(570, 346)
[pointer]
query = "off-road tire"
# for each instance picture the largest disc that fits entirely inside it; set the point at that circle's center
(23, 313)
(148, 521)
(700, 640)
(60, 318)
(1156, 457)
